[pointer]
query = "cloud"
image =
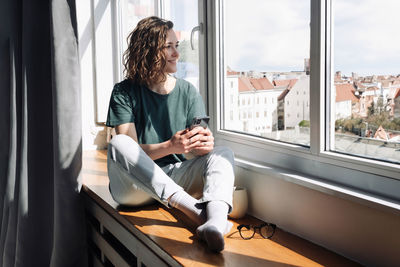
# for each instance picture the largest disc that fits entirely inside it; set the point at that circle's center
(366, 36)
(267, 34)
(275, 35)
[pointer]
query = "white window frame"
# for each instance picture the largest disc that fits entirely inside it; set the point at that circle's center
(370, 178)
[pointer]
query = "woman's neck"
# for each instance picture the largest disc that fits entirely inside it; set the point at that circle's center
(164, 87)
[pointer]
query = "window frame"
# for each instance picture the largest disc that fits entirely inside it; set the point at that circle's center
(379, 179)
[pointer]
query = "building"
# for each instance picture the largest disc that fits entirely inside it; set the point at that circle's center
(294, 102)
(346, 101)
(250, 104)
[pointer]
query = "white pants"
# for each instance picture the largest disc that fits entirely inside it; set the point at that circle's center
(136, 180)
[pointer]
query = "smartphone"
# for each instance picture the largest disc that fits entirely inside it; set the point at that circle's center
(200, 121)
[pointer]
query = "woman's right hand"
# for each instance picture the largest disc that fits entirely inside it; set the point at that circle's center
(183, 141)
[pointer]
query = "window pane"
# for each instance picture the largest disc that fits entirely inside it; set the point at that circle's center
(366, 100)
(132, 11)
(184, 15)
(266, 48)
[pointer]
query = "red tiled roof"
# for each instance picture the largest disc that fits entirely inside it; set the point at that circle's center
(289, 83)
(394, 93)
(244, 84)
(381, 134)
(250, 84)
(345, 92)
(261, 83)
(397, 94)
(232, 72)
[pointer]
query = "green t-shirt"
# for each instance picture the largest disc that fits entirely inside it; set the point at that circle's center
(157, 117)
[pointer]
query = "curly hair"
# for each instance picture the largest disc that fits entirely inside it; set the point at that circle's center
(144, 60)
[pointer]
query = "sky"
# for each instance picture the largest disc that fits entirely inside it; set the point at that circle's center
(274, 35)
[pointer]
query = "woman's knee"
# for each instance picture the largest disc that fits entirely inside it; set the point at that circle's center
(224, 152)
(122, 142)
(122, 148)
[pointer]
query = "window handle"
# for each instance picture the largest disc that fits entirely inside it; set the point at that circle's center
(197, 28)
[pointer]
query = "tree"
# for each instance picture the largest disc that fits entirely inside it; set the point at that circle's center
(187, 54)
(371, 109)
(304, 123)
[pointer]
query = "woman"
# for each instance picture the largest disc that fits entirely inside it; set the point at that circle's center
(151, 112)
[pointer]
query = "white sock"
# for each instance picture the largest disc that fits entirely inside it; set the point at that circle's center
(189, 206)
(216, 226)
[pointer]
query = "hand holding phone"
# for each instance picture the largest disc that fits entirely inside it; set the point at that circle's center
(200, 121)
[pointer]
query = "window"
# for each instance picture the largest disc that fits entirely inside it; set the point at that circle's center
(343, 88)
(305, 135)
(130, 13)
(366, 65)
(271, 61)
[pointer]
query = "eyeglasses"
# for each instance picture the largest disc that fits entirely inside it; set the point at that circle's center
(266, 230)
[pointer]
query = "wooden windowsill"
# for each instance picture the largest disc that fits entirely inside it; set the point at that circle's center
(170, 235)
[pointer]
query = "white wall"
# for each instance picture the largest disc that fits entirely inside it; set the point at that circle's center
(367, 235)
(298, 107)
(343, 109)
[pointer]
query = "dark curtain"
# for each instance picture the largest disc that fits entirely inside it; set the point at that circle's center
(41, 215)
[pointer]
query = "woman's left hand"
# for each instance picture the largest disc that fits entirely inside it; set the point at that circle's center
(205, 142)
